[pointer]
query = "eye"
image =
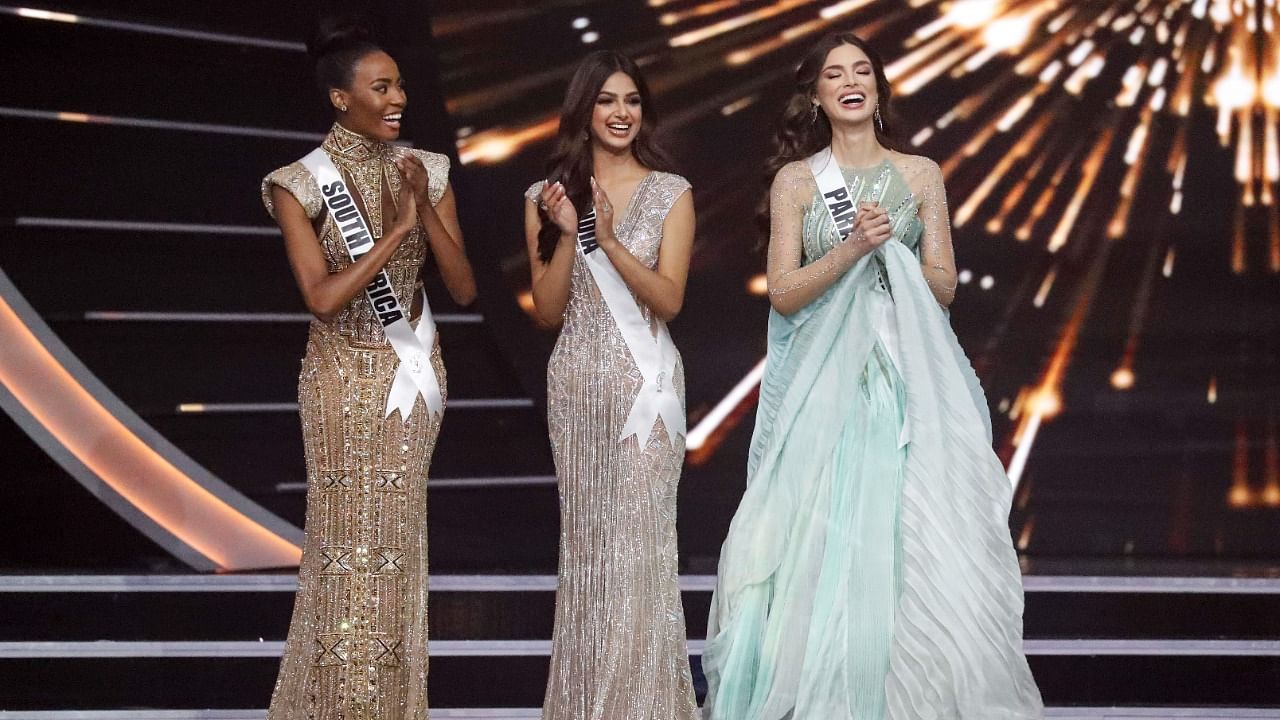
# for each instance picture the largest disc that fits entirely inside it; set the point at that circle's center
(380, 89)
(634, 100)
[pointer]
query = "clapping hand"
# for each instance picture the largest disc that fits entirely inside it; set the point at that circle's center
(556, 204)
(604, 214)
(871, 228)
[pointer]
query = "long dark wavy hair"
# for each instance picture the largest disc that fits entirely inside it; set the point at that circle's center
(571, 162)
(801, 134)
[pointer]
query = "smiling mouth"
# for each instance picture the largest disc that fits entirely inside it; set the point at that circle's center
(393, 119)
(853, 100)
(619, 129)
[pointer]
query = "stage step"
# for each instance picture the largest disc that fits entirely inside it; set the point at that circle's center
(519, 607)
(1094, 641)
(1058, 713)
(518, 680)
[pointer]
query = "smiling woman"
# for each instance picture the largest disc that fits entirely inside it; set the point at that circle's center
(615, 397)
(868, 571)
(359, 218)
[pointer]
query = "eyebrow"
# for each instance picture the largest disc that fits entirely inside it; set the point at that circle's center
(381, 80)
(614, 94)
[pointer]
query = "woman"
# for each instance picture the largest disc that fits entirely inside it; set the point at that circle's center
(615, 398)
(370, 394)
(868, 572)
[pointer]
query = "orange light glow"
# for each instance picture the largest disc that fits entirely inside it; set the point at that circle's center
(525, 299)
(1122, 378)
(494, 145)
(1271, 467)
(1240, 495)
(131, 467)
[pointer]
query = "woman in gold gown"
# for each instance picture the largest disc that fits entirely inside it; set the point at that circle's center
(357, 643)
(619, 650)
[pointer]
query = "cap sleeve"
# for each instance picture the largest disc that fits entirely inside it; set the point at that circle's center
(298, 181)
(534, 191)
(672, 187)
(437, 173)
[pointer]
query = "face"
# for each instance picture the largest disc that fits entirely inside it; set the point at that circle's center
(615, 121)
(846, 88)
(375, 100)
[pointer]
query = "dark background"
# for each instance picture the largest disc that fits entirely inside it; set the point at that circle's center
(1164, 471)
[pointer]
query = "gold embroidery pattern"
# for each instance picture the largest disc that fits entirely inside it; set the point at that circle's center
(357, 644)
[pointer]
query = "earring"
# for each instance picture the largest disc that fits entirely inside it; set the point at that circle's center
(342, 108)
(879, 120)
(813, 116)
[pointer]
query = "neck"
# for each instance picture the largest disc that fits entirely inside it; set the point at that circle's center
(856, 145)
(607, 162)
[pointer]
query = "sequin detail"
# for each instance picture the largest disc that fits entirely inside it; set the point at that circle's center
(357, 643)
(806, 256)
(619, 650)
(369, 165)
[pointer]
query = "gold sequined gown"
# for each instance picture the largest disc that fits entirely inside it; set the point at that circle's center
(357, 643)
(619, 650)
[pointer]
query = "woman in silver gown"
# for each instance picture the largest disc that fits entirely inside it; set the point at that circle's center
(615, 399)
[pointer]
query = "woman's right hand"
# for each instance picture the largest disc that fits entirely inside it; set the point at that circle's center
(556, 204)
(406, 211)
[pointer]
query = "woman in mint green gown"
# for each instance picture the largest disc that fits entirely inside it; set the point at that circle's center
(868, 573)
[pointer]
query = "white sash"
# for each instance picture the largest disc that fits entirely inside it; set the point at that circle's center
(414, 375)
(840, 205)
(835, 194)
(655, 356)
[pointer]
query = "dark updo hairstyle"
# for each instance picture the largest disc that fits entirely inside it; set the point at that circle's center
(799, 133)
(571, 162)
(339, 43)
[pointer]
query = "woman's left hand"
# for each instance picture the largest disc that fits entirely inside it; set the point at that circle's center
(604, 215)
(414, 174)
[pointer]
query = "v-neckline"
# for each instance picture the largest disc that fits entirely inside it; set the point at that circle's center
(631, 202)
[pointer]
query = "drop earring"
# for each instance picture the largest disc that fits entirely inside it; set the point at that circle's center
(879, 120)
(813, 116)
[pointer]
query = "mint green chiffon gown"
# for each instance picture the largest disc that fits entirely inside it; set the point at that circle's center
(868, 573)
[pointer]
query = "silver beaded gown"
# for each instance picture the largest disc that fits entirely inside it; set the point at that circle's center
(619, 650)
